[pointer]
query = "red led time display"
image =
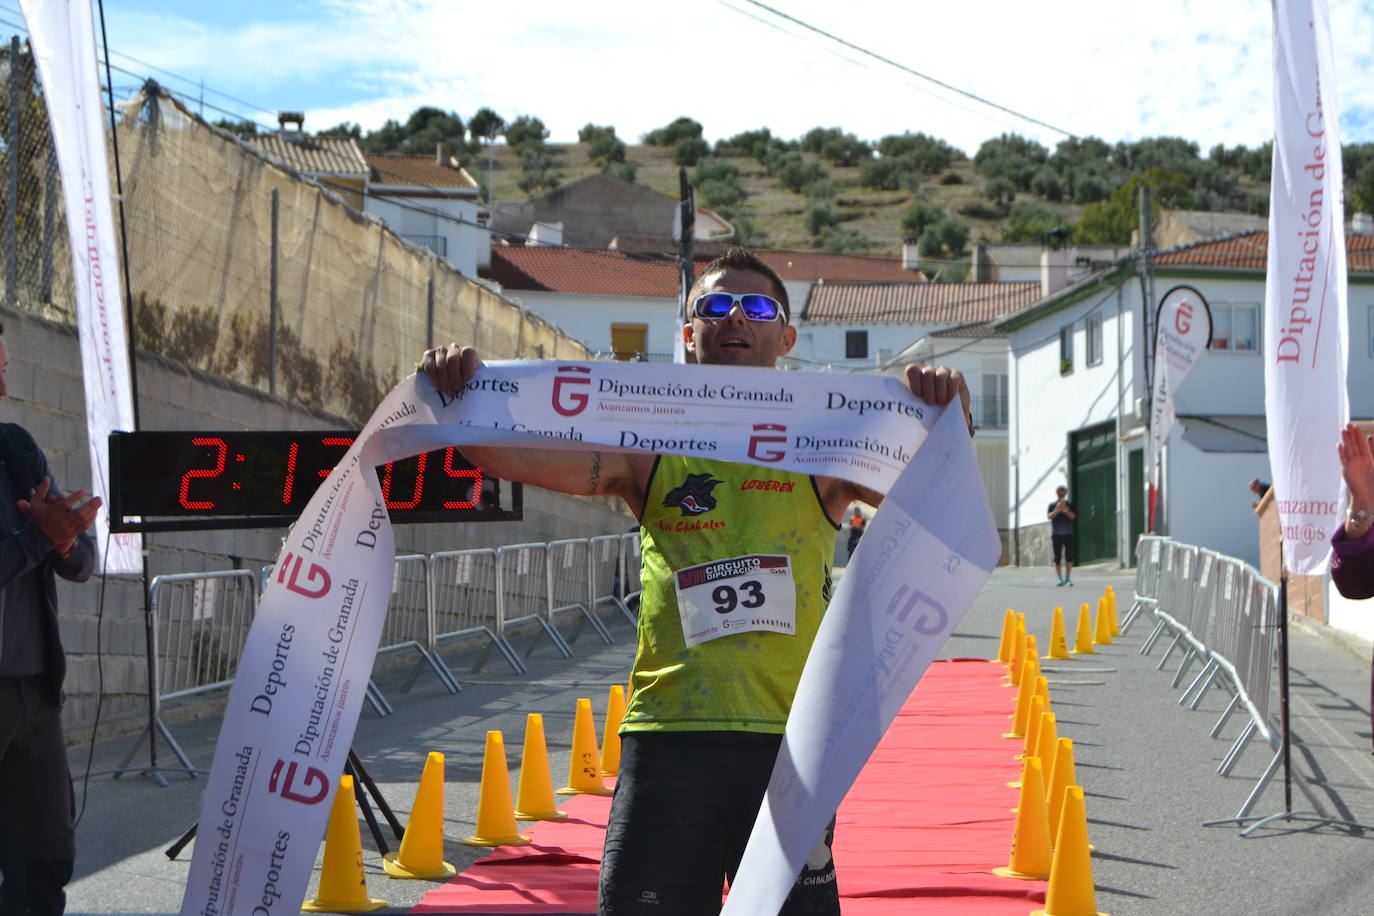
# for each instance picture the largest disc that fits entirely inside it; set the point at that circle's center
(267, 477)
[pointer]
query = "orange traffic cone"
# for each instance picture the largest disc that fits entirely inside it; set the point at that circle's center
(1083, 641)
(422, 847)
(1004, 646)
(1030, 844)
(584, 763)
(343, 886)
(534, 798)
(1059, 646)
(1071, 891)
(495, 813)
(1102, 635)
(610, 737)
(1061, 776)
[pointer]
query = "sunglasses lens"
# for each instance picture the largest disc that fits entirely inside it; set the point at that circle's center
(714, 305)
(759, 308)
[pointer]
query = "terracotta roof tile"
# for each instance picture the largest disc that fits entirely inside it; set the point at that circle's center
(418, 171)
(599, 271)
(1250, 251)
(313, 155)
(838, 268)
(917, 303)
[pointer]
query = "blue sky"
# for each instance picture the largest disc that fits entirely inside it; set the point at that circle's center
(1199, 69)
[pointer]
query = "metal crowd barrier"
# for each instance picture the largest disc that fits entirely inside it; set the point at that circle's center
(200, 623)
(1222, 611)
(1148, 558)
(570, 585)
(408, 625)
(630, 566)
(464, 600)
(605, 575)
(523, 593)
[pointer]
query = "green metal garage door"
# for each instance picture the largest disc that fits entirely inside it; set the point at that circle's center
(1092, 490)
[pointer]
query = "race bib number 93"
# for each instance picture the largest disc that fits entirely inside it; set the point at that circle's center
(736, 595)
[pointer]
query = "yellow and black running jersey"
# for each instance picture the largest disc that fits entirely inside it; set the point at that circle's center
(736, 576)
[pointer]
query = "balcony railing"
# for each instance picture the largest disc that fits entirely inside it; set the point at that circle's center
(990, 412)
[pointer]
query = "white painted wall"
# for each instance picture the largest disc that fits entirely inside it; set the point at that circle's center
(454, 219)
(1209, 500)
(974, 358)
(589, 318)
(1046, 406)
(823, 343)
(1348, 614)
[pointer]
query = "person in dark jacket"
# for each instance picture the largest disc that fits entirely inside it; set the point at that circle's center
(41, 536)
(1352, 545)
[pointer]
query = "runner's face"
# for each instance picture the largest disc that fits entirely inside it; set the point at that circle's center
(735, 340)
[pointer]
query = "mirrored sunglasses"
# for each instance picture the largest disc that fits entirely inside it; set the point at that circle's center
(756, 306)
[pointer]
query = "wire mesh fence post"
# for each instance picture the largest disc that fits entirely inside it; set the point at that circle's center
(12, 138)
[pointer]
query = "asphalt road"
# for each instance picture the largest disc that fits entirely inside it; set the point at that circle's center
(1147, 765)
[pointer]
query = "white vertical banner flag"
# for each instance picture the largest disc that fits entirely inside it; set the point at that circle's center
(1305, 340)
(300, 684)
(63, 41)
(1183, 329)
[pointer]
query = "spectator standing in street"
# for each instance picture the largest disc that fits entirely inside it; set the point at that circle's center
(1061, 518)
(44, 538)
(857, 521)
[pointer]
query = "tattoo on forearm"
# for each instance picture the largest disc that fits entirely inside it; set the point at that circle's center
(594, 482)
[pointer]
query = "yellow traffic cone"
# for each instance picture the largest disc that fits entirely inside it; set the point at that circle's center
(1030, 844)
(610, 737)
(1037, 710)
(422, 847)
(1059, 646)
(1102, 635)
(1061, 776)
(343, 886)
(534, 798)
(1046, 740)
(1083, 641)
(584, 763)
(1111, 611)
(495, 813)
(1004, 646)
(1071, 891)
(1042, 689)
(1020, 715)
(1018, 657)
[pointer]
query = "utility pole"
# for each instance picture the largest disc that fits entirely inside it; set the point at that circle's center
(687, 215)
(1147, 295)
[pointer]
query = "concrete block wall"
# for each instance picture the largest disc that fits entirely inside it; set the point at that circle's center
(105, 636)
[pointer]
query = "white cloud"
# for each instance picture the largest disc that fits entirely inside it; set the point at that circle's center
(1199, 70)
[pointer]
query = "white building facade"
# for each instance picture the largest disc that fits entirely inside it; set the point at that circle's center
(1079, 396)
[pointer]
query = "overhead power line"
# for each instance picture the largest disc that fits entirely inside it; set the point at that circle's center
(905, 69)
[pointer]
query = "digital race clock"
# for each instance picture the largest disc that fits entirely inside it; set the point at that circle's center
(179, 481)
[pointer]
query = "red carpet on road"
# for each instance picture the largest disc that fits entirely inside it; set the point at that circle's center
(921, 830)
